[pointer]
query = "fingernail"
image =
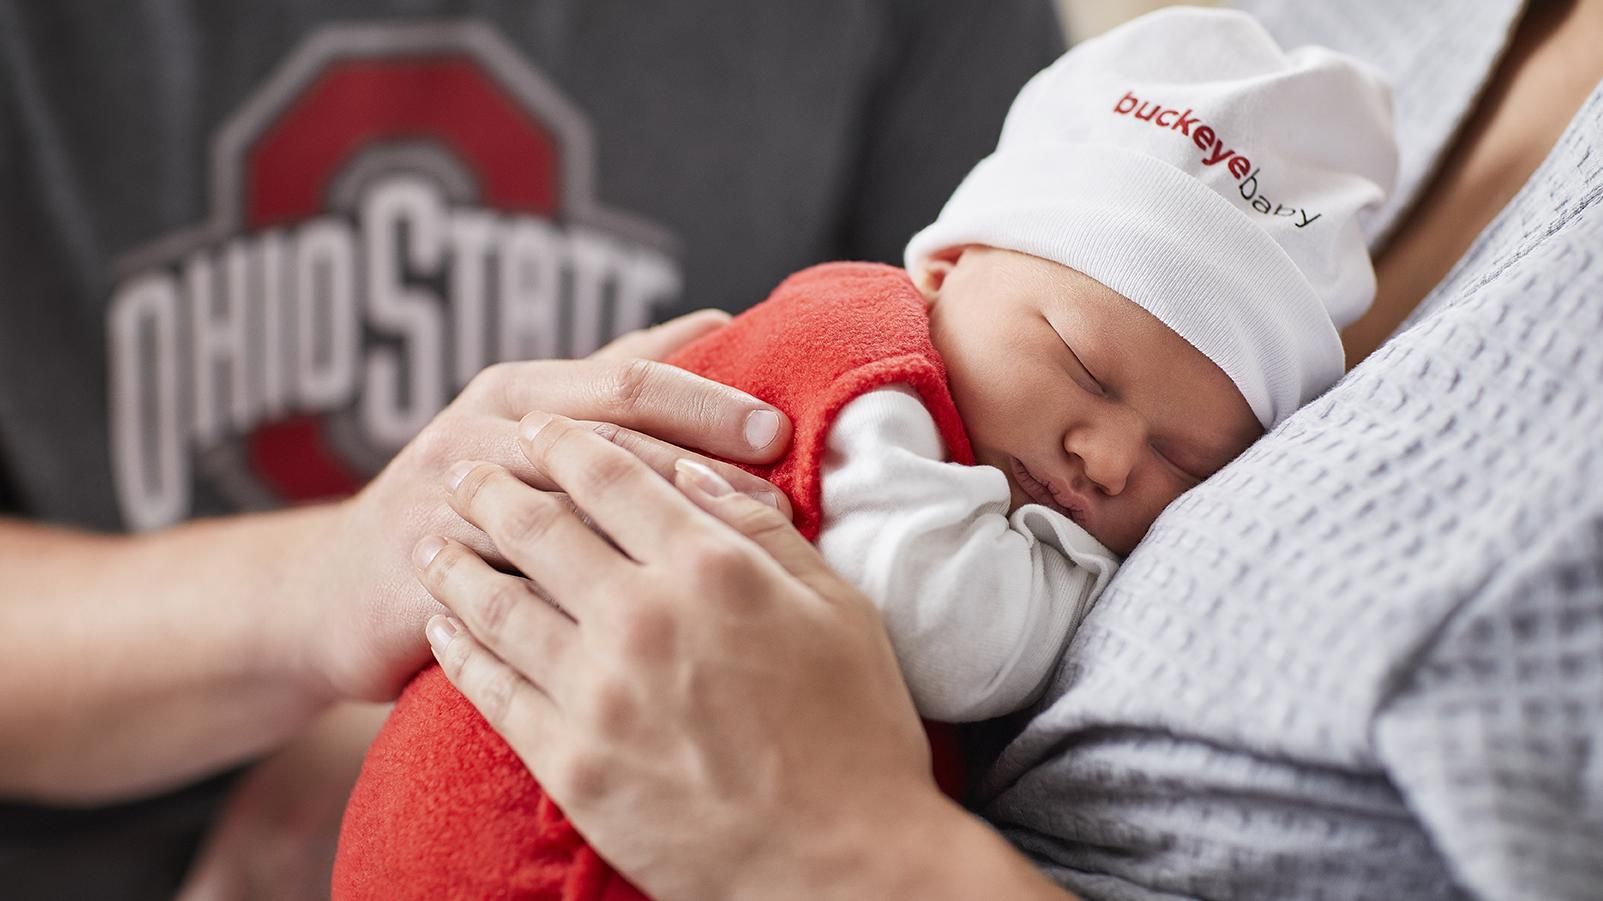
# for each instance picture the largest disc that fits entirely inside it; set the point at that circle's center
(711, 483)
(762, 427)
(440, 631)
(768, 497)
(532, 424)
(426, 550)
(458, 472)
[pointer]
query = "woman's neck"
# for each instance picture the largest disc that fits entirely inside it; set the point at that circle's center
(1550, 69)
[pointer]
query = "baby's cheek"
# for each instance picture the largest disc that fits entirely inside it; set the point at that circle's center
(1144, 510)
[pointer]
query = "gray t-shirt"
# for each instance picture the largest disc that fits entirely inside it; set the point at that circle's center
(1366, 659)
(247, 249)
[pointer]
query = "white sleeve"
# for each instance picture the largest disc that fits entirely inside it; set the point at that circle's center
(979, 605)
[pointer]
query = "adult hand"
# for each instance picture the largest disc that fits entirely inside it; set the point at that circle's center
(357, 583)
(718, 713)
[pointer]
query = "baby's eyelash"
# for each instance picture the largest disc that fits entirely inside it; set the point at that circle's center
(1096, 386)
(1096, 382)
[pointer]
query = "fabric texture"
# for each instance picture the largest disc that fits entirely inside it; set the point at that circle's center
(1187, 162)
(978, 602)
(1366, 659)
(443, 808)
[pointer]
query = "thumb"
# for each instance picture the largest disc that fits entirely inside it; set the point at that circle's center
(658, 342)
(761, 523)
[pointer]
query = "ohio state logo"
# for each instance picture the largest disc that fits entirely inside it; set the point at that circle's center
(397, 207)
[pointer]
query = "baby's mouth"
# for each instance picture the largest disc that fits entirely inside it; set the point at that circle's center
(1041, 492)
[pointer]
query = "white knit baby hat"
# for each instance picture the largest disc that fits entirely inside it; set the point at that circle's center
(1187, 162)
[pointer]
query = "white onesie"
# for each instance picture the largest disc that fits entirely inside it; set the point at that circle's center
(978, 604)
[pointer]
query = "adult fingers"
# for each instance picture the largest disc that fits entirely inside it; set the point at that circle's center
(540, 534)
(494, 440)
(649, 397)
(663, 458)
(760, 523)
(660, 341)
(655, 453)
(624, 498)
(512, 705)
(505, 613)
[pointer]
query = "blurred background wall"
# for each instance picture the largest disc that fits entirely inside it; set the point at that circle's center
(1087, 18)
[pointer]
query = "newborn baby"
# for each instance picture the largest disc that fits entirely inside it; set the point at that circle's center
(1089, 416)
(1149, 271)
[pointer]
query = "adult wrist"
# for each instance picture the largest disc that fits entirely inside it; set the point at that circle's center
(298, 634)
(918, 844)
(937, 850)
(942, 851)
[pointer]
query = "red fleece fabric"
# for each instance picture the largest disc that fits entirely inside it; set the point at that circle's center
(443, 807)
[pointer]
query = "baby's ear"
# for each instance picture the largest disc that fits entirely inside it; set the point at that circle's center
(931, 277)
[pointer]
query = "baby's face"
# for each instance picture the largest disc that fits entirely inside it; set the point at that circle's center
(1084, 400)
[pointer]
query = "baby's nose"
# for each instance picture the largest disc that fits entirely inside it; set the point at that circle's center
(1108, 450)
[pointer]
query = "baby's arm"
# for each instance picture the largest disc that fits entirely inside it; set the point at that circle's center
(978, 604)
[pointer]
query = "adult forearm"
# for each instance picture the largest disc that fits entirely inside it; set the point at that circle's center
(136, 663)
